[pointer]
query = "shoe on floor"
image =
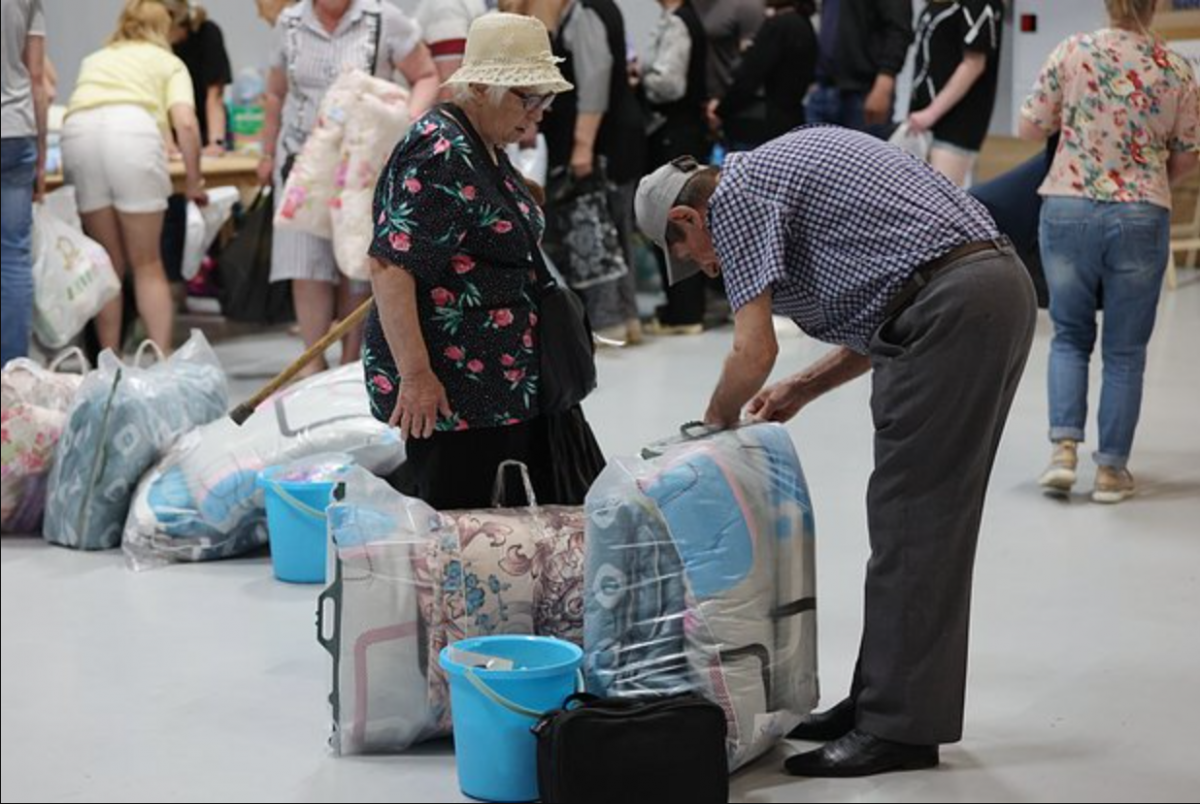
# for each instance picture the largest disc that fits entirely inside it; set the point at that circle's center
(861, 754)
(1112, 485)
(1061, 473)
(657, 327)
(823, 727)
(634, 336)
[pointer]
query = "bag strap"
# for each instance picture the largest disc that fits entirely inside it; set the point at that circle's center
(148, 346)
(546, 280)
(62, 358)
(501, 485)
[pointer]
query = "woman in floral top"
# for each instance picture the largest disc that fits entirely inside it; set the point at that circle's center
(1129, 111)
(451, 352)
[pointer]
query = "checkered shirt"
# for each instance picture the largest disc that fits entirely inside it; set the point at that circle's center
(834, 222)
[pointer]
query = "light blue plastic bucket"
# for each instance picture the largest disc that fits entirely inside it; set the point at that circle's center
(296, 523)
(495, 710)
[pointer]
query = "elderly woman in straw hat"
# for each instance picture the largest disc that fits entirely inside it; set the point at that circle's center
(451, 351)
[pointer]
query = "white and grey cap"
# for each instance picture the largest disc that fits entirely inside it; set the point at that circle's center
(656, 195)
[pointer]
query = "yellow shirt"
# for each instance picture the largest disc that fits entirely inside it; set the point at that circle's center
(136, 73)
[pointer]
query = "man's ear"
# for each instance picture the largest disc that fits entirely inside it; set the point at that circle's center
(684, 216)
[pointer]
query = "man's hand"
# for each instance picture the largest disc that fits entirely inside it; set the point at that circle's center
(877, 108)
(422, 398)
(266, 170)
(780, 402)
(39, 183)
(583, 162)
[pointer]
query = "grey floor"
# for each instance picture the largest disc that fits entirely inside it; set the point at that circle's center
(206, 684)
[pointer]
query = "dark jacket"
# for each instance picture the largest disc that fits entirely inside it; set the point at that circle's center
(873, 38)
(780, 67)
(622, 135)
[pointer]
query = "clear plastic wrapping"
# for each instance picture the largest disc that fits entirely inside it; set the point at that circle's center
(123, 420)
(201, 502)
(410, 580)
(700, 577)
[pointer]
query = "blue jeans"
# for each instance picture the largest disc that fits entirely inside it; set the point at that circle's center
(832, 106)
(1115, 253)
(18, 164)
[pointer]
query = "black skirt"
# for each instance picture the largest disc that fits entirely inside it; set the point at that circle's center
(457, 470)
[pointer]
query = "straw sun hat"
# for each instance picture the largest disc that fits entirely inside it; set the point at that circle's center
(510, 50)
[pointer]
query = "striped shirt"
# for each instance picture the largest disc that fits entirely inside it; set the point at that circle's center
(313, 58)
(833, 223)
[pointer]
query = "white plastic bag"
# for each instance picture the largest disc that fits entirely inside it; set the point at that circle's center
(203, 226)
(122, 421)
(35, 405)
(73, 278)
(917, 145)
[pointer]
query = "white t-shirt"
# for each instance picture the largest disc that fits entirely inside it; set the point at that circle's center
(21, 19)
(445, 23)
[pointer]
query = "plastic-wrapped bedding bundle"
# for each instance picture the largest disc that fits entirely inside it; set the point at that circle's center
(200, 503)
(370, 622)
(410, 581)
(123, 419)
(700, 576)
(35, 405)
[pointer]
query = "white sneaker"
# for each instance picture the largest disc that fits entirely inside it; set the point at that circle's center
(1060, 475)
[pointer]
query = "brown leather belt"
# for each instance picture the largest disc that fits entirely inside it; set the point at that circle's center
(926, 273)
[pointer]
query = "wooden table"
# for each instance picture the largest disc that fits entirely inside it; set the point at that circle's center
(232, 170)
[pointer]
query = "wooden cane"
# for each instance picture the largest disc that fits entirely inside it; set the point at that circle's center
(245, 410)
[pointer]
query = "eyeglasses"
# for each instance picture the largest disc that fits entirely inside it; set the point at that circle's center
(534, 103)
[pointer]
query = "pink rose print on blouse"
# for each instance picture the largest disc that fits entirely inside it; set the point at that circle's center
(462, 425)
(502, 318)
(527, 339)
(455, 353)
(462, 264)
(514, 376)
(508, 361)
(475, 366)
(521, 205)
(441, 146)
(468, 193)
(382, 218)
(502, 227)
(429, 128)
(442, 297)
(533, 319)
(412, 184)
(400, 241)
(382, 384)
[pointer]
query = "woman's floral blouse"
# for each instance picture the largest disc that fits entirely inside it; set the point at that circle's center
(441, 216)
(1124, 102)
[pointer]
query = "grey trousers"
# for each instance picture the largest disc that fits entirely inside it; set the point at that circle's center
(945, 371)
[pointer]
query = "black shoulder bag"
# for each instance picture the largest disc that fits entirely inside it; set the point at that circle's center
(567, 370)
(607, 750)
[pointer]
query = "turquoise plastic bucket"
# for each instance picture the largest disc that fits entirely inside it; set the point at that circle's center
(296, 523)
(495, 710)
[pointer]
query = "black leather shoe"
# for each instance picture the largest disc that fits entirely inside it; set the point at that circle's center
(828, 725)
(861, 754)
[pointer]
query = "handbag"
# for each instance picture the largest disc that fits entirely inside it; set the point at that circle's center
(247, 294)
(567, 365)
(669, 748)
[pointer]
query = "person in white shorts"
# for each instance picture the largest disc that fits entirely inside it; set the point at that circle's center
(128, 95)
